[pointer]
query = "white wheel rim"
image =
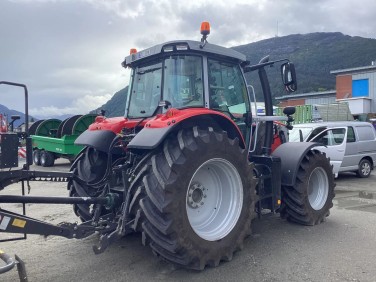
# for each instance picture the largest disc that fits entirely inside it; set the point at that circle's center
(214, 199)
(318, 188)
(366, 169)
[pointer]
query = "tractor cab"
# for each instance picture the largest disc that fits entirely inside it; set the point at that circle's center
(186, 77)
(199, 78)
(183, 75)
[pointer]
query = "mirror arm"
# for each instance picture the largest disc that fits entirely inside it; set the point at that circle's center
(262, 64)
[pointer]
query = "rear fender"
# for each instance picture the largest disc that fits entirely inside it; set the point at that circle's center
(153, 133)
(98, 139)
(291, 155)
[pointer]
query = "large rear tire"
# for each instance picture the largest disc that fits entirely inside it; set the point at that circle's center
(308, 202)
(88, 168)
(199, 198)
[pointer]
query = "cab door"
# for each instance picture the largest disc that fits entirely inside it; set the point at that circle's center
(334, 145)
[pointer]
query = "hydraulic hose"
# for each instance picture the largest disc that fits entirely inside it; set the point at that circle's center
(9, 261)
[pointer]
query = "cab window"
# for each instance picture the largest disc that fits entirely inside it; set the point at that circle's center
(227, 89)
(183, 82)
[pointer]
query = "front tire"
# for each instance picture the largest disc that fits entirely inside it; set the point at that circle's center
(200, 197)
(308, 202)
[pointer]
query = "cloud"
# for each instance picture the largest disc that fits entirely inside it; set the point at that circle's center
(65, 50)
(81, 105)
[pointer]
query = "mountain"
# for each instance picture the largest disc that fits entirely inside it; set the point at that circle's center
(115, 107)
(8, 113)
(314, 56)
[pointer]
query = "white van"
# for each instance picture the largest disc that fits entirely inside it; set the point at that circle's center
(350, 145)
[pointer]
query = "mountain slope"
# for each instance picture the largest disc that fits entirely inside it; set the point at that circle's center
(314, 56)
(115, 107)
(8, 113)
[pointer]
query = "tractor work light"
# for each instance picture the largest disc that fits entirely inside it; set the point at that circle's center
(205, 28)
(181, 47)
(169, 48)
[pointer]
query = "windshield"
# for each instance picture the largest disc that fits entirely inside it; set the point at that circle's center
(182, 85)
(294, 134)
(146, 90)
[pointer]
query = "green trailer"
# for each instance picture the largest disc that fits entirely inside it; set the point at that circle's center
(53, 138)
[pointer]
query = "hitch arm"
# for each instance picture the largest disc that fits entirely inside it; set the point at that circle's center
(110, 201)
(15, 223)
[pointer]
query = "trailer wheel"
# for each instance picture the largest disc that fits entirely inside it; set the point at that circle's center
(36, 156)
(200, 197)
(88, 168)
(46, 158)
(308, 202)
(364, 169)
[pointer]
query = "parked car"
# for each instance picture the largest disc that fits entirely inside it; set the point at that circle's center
(350, 145)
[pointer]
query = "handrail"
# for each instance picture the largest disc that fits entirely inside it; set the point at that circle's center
(28, 140)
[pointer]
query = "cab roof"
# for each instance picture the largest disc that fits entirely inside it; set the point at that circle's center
(183, 46)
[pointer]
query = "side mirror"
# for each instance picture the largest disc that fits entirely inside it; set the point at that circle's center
(289, 111)
(289, 76)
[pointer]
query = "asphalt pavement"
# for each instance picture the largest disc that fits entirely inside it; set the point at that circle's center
(343, 248)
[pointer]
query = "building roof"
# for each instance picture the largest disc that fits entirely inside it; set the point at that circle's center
(352, 70)
(306, 95)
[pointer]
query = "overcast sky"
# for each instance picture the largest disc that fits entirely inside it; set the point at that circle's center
(68, 52)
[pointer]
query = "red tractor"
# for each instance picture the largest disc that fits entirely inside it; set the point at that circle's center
(185, 166)
(181, 159)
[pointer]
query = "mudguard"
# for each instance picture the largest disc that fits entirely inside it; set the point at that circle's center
(149, 138)
(156, 131)
(98, 139)
(291, 155)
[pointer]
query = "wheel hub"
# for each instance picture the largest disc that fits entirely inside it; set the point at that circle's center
(196, 196)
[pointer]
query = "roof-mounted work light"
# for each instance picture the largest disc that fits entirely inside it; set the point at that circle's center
(205, 28)
(205, 31)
